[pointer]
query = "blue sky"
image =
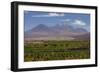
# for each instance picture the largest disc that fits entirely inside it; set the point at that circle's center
(77, 20)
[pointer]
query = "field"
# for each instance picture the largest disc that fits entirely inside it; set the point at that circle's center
(56, 50)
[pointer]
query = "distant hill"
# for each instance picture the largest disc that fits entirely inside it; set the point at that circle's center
(85, 36)
(57, 32)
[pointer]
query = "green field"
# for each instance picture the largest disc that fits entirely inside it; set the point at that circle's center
(56, 50)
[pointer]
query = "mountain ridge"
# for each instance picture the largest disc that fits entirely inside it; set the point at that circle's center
(63, 31)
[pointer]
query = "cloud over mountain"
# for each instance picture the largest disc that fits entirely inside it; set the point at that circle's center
(79, 22)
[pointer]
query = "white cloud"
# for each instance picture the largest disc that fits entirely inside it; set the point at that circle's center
(56, 14)
(66, 20)
(79, 22)
(49, 15)
(40, 16)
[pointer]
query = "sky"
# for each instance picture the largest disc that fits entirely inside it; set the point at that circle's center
(76, 20)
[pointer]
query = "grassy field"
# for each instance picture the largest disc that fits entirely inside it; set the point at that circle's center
(56, 50)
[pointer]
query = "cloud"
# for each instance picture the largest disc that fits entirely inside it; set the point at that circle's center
(50, 15)
(79, 22)
(56, 14)
(66, 20)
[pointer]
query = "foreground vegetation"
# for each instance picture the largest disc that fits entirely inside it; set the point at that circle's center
(56, 50)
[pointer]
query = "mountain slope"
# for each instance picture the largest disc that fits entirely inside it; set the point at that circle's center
(66, 32)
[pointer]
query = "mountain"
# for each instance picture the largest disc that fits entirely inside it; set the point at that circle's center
(65, 32)
(85, 36)
(39, 31)
(62, 27)
(41, 28)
